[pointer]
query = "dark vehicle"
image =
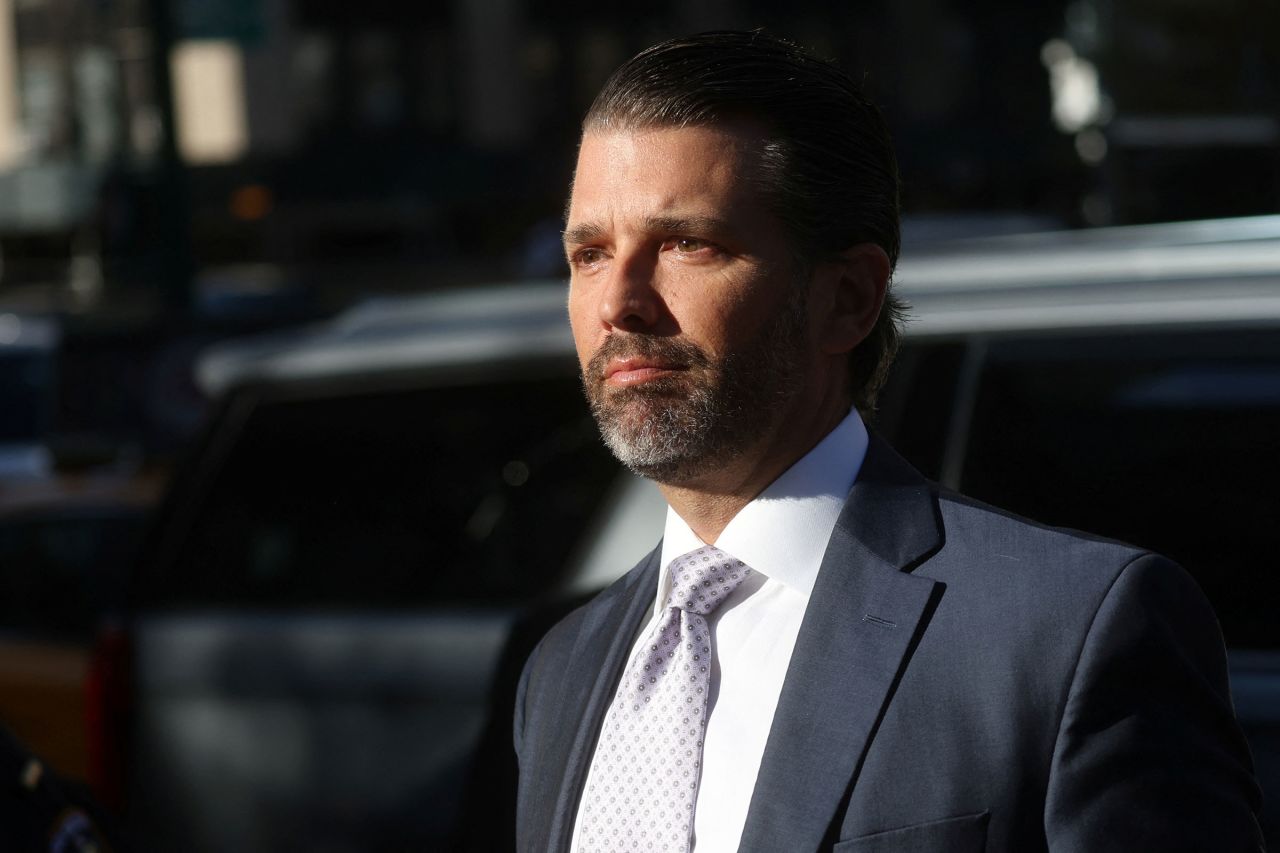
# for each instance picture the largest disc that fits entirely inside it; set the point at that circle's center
(338, 570)
(323, 623)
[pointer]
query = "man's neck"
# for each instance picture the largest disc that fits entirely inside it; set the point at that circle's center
(708, 503)
(706, 514)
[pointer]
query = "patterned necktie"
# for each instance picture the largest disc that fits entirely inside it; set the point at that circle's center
(644, 775)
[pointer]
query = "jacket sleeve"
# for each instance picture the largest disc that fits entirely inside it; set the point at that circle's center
(1149, 756)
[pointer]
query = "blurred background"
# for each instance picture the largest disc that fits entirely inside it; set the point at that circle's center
(273, 270)
(169, 170)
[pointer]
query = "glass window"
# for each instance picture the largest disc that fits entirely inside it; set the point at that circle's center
(1171, 442)
(915, 408)
(396, 498)
(61, 568)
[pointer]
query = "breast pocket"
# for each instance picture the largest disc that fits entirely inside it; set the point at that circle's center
(964, 834)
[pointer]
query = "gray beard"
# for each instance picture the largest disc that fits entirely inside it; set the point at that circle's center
(680, 427)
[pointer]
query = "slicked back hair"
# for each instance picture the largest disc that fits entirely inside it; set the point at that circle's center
(827, 168)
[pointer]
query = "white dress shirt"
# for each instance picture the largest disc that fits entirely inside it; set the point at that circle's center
(782, 535)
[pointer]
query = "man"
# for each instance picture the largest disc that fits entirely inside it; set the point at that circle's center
(861, 661)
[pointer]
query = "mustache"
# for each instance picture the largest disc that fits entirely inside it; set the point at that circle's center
(668, 350)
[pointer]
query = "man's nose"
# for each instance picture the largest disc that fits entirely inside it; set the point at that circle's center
(630, 302)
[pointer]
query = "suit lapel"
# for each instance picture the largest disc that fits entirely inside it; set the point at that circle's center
(864, 618)
(610, 625)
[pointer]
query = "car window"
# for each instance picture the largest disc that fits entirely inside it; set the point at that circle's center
(915, 410)
(1171, 442)
(393, 499)
(62, 568)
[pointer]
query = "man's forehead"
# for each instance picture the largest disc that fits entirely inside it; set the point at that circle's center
(680, 173)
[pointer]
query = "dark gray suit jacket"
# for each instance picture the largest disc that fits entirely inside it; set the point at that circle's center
(964, 680)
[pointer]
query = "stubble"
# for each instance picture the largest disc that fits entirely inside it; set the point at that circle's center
(677, 428)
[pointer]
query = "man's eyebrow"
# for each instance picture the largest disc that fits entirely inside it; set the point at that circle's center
(589, 232)
(694, 224)
(585, 233)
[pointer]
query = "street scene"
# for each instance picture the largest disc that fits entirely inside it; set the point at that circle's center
(296, 468)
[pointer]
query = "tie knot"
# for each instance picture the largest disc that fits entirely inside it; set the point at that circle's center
(701, 580)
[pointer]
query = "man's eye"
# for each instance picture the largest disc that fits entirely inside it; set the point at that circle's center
(689, 244)
(587, 257)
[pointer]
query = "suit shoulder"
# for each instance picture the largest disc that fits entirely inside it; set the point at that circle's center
(971, 522)
(990, 548)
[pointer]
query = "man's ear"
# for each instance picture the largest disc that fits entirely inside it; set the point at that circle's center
(858, 278)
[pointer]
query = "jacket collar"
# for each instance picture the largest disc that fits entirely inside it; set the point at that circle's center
(863, 622)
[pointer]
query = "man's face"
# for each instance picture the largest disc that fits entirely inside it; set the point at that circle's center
(688, 311)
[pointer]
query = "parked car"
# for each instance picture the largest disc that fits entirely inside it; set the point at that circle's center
(336, 572)
(354, 559)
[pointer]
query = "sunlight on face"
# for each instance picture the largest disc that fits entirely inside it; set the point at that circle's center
(688, 315)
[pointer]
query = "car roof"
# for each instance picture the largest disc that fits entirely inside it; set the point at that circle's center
(489, 325)
(1190, 274)
(1203, 274)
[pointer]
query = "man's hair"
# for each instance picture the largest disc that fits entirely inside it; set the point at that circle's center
(827, 166)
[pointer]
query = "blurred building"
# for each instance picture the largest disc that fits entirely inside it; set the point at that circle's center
(401, 139)
(261, 161)
(1185, 119)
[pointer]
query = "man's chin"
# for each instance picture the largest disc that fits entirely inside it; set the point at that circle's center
(659, 429)
(650, 453)
(667, 469)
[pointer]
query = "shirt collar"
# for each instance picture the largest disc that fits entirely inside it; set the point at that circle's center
(784, 531)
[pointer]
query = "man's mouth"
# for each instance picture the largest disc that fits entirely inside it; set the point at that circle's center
(625, 372)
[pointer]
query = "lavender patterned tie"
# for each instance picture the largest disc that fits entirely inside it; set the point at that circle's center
(644, 775)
